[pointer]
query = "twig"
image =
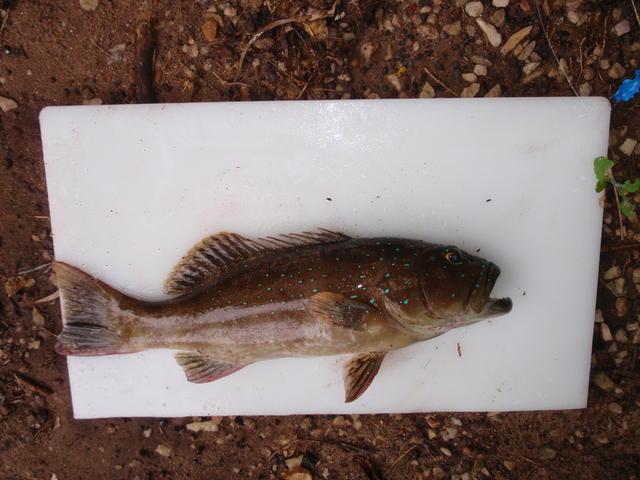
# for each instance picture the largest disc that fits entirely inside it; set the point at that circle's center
(440, 83)
(369, 469)
(527, 459)
(635, 10)
(225, 83)
(622, 229)
(406, 452)
(271, 26)
(6, 17)
(622, 246)
(34, 269)
(604, 32)
(546, 35)
(580, 74)
(302, 91)
(32, 384)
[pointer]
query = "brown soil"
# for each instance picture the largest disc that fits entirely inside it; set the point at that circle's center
(59, 53)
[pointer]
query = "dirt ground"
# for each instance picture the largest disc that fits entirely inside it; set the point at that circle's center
(126, 51)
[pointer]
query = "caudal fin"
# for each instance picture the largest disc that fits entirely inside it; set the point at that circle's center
(89, 310)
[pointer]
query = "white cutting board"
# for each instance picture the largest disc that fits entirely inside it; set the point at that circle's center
(133, 187)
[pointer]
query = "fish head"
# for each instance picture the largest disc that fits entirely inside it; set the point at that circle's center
(454, 289)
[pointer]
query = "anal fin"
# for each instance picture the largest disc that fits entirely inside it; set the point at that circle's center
(200, 368)
(359, 372)
(338, 310)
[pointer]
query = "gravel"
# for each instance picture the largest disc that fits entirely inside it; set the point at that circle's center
(622, 28)
(605, 332)
(514, 39)
(616, 71)
(89, 5)
(585, 89)
(495, 91)
(366, 50)
(613, 272)
(530, 67)
(163, 450)
(452, 29)
(615, 408)
(494, 38)
(427, 91)
(627, 148)
(480, 70)
(547, 453)
(208, 426)
(474, 9)
(621, 336)
(470, 91)
(7, 104)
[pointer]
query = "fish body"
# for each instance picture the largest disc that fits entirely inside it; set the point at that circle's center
(240, 301)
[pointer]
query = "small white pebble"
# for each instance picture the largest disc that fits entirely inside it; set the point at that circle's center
(622, 27)
(493, 36)
(628, 145)
(605, 332)
(470, 91)
(163, 451)
(599, 316)
(469, 77)
(7, 104)
(613, 272)
(616, 71)
(604, 382)
(585, 89)
(621, 336)
(89, 5)
(480, 70)
(529, 68)
(473, 9)
(615, 408)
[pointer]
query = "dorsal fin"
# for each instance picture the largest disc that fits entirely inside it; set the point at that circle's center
(204, 263)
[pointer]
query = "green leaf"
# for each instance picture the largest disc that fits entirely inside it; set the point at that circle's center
(631, 187)
(600, 186)
(627, 209)
(601, 166)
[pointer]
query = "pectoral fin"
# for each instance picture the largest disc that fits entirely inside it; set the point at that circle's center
(338, 310)
(201, 368)
(359, 373)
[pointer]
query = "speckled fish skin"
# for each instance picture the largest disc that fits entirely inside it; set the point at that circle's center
(350, 296)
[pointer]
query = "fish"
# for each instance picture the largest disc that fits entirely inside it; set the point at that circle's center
(238, 300)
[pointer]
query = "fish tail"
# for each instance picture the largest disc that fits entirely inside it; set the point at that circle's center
(91, 312)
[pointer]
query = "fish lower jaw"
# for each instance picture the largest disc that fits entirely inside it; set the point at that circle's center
(497, 306)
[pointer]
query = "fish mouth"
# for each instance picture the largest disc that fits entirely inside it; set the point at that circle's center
(497, 306)
(491, 307)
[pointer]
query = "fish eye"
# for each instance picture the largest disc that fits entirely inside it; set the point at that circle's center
(454, 256)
